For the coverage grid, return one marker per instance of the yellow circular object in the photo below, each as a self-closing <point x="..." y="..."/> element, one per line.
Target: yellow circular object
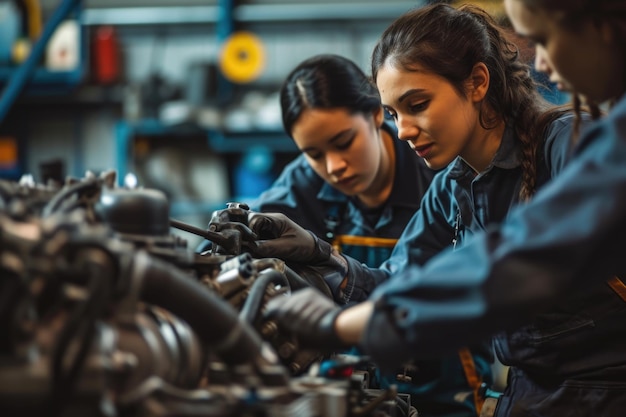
<point x="21" y="50"/>
<point x="242" y="57"/>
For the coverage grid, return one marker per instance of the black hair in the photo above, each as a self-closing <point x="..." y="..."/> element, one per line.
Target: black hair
<point x="326" y="81"/>
<point x="449" y="42"/>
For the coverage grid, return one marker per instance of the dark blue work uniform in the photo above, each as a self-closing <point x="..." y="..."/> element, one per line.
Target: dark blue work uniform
<point x="460" y="203"/>
<point x="559" y="256"/>
<point x="438" y="387"/>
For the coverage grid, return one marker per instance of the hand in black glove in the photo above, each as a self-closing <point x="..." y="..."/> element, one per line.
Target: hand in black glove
<point x="280" y="237"/>
<point x="235" y="218"/>
<point x="310" y="315"/>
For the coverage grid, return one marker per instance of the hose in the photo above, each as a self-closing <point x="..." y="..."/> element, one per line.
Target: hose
<point x="80" y="328"/>
<point x="58" y="199"/>
<point x="215" y="321"/>
<point x="254" y="301"/>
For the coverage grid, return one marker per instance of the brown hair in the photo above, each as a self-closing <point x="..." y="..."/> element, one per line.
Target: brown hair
<point x="573" y="12"/>
<point x="449" y="42"/>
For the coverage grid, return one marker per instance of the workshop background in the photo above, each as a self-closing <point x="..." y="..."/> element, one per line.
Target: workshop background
<point x="179" y="95"/>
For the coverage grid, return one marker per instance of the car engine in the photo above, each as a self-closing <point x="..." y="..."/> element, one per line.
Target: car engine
<point x="105" y="312"/>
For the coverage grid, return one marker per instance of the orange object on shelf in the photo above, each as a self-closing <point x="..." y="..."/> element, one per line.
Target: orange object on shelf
<point x="8" y="152"/>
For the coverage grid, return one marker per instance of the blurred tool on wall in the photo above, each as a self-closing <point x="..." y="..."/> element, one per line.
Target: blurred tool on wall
<point x="201" y="86"/>
<point x="161" y="96"/>
<point x="201" y="93"/>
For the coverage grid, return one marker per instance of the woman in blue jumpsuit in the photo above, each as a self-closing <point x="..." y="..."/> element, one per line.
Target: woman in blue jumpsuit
<point x="559" y="255"/>
<point x="333" y="113"/>
<point x="364" y="233"/>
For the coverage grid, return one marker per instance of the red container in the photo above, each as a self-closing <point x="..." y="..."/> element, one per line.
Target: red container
<point x="106" y="56"/>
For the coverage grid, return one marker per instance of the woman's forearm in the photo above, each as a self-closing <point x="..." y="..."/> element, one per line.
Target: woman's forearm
<point x="351" y="323"/>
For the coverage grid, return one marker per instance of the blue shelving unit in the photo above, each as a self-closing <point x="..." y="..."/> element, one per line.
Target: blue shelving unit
<point x="43" y="81"/>
<point x="219" y="141"/>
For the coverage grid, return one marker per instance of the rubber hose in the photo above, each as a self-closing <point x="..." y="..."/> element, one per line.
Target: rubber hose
<point x="254" y="301"/>
<point x="58" y="199"/>
<point x="215" y="321"/>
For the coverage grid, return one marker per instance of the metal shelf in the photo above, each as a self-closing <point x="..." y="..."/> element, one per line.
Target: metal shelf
<point x="151" y="15"/>
<point x="221" y="142"/>
<point x="42" y="76"/>
<point x="236" y="142"/>
<point x="247" y="13"/>
<point x="324" y="11"/>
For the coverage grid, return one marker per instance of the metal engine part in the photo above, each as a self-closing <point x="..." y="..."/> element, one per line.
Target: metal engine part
<point x="103" y="312"/>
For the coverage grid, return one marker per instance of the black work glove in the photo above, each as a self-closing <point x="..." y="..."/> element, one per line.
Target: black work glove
<point x="310" y="316"/>
<point x="280" y="237"/>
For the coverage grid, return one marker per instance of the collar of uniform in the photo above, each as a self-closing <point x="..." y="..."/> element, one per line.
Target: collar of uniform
<point x="403" y="192"/>
<point x="508" y="156"/>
